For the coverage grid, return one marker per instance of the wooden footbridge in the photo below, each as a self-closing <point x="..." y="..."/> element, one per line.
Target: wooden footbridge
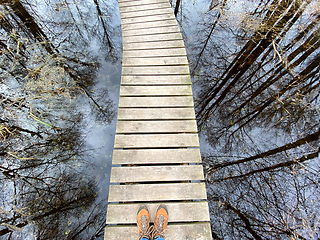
<point x="156" y="156"/>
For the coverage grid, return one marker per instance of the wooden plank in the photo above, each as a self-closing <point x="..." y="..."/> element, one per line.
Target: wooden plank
<point x="156" y="70"/>
<point x="155" y="113"/>
<point x="152" y="38"/>
<point x="190" y="231"/>
<point x="156" y="174"/>
<point x="184" y="126"/>
<point x="169" y="52"/>
<point x="147" y="19"/>
<point x="155" y="80"/>
<point x="155" y="61"/>
<point x="156" y="156"/>
<point x="157" y="192"/>
<point x="178" y="212"/>
<point x="151" y="30"/>
<point x="153" y="45"/>
<point x="175" y="101"/>
<point x="181" y="90"/>
<point x="156" y="140"/>
<point x="139" y="2"/>
<point x="144" y="7"/>
<point x="160" y="23"/>
<point x="146" y="13"/>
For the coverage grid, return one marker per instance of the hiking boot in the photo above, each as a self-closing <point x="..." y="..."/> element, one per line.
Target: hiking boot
<point x="161" y="222"/>
<point x="143" y="222"/>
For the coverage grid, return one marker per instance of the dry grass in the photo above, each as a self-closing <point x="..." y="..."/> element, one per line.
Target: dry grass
<point x="48" y="79"/>
<point x="5" y="132"/>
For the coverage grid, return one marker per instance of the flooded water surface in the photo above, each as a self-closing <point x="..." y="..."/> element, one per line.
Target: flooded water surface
<point x="255" y="69"/>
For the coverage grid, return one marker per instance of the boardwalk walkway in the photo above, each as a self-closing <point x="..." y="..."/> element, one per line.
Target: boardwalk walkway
<point x="156" y="156"/>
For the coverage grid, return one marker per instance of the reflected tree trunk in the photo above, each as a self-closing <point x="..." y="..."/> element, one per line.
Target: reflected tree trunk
<point x="176" y="9"/>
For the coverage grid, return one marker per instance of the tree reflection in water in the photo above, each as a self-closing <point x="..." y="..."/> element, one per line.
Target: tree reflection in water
<point x="255" y="66"/>
<point x="50" y="57"/>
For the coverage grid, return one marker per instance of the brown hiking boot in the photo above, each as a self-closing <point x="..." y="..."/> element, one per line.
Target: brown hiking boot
<point x="161" y="222"/>
<point x="143" y="222"/>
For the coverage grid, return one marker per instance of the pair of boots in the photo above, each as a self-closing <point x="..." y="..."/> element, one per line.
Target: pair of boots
<point x="154" y="232"/>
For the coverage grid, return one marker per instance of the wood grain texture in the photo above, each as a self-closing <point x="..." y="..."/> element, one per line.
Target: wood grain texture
<point x="190" y="231"/>
<point x="155" y="113"/>
<point x="156" y="174"/>
<point x="152" y="38"/>
<point x="175" y="101"/>
<point x="139" y="2"/>
<point x="151" y="12"/>
<point x="151" y="31"/>
<point x="147" y="25"/>
<point x="153" y="45"/>
<point x="178" y="212"/>
<point x="155" y="61"/>
<point x="156" y="133"/>
<point x="156" y="140"/>
<point x="143" y="19"/>
<point x="182" y="90"/>
<point x="157" y="192"/>
<point x="155" y="80"/>
<point x="144" y="7"/>
<point x="169" y="52"/>
<point x="156" y="156"/>
<point x="183" y="126"/>
<point x="156" y="70"/>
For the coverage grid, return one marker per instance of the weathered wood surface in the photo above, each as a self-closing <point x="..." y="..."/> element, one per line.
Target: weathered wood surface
<point x="182" y="90"/>
<point x="143" y="7"/>
<point x="132" y="102"/>
<point x="156" y="113"/>
<point x="190" y="231"/>
<point x="138" y="2"/>
<point x="185" y="126"/>
<point x="150" y="12"/>
<point x="135" y="20"/>
<point x="169" y="52"/>
<point x="157" y="61"/>
<point x="156" y="140"/>
<point x="152" y="38"/>
<point x="156" y="174"/>
<point x="154" y="45"/>
<point x="147" y="25"/>
<point x="179" y="212"/>
<point x="156" y="156"/>
<point x="153" y="30"/>
<point x="155" y="80"/>
<point x="157" y="70"/>
<point x="157" y="192"/>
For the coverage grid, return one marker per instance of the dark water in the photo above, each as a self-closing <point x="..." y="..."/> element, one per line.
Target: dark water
<point x="60" y="71"/>
<point x="255" y="69"/>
